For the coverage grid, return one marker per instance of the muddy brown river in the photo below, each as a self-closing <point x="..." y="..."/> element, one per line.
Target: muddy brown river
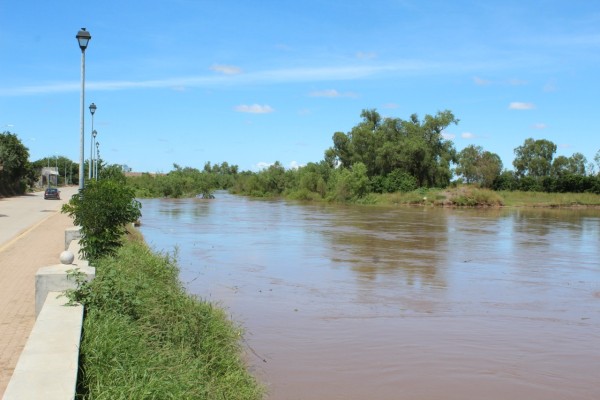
<point x="342" y="302"/>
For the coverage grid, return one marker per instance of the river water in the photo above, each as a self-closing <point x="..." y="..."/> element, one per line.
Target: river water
<point x="351" y="302"/>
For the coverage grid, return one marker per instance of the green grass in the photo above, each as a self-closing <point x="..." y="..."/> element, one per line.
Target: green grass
<point x="472" y="196"/>
<point x="145" y="338"/>
<point x="541" y="199"/>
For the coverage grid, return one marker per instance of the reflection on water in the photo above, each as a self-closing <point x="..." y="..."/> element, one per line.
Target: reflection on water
<point x="398" y="303"/>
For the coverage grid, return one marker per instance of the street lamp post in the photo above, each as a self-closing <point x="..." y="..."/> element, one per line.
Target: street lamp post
<point x="83" y="37"/>
<point x="92" y="111"/>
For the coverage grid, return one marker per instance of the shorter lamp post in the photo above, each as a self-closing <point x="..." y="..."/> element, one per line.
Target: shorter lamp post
<point x="93" y="160"/>
<point x="97" y="158"/>
<point x="92" y="111"/>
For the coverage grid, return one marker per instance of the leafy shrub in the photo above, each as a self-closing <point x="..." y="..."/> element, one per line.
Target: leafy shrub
<point x="399" y="181"/>
<point x="102" y="209"/>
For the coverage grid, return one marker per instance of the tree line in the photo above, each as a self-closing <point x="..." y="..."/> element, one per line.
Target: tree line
<point x="386" y="155"/>
<point x="18" y="173"/>
<point x="378" y="155"/>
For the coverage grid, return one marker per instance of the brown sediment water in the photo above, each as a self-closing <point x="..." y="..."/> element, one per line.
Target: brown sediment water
<point x="344" y="302"/>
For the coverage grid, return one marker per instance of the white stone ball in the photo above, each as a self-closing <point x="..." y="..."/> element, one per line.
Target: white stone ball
<point x="66" y="257"/>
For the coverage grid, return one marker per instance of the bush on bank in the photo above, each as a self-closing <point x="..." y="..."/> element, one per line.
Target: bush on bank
<point x="102" y="209"/>
<point x="145" y="338"/>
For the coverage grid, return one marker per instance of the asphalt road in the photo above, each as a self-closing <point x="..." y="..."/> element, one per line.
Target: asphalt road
<point x="20" y="214"/>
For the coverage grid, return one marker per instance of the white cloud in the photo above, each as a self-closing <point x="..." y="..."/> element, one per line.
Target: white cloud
<point x="467" y="135"/>
<point x="276" y="76"/>
<point x="517" y="82"/>
<point x="521" y="106"/>
<point x="539" y="126"/>
<point x="295" y="165"/>
<point x="254" y="109"/>
<point x="325" y="93"/>
<point x="366" y="55"/>
<point x="549" y="87"/>
<point x="481" y="82"/>
<point x="331" y="93"/>
<point x="283" y="47"/>
<point x="512" y="82"/>
<point x="391" y="105"/>
<point x="262" y="165"/>
<point x="448" y="136"/>
<point x="226" y="69"/>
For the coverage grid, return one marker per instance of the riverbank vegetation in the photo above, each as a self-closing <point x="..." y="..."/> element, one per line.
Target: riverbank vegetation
<point x="395" y="161"/>
<point x="144" y="337"/>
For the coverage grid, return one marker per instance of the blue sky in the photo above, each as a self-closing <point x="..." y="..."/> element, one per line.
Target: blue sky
<point x="250" y="83"/>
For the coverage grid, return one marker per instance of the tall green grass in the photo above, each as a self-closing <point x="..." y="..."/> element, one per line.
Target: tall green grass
<point x="543" y="199"/>
<point x="145" y="338"/>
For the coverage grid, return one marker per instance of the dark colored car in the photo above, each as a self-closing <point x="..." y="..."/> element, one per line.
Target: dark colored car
<point x="52" y="193"/>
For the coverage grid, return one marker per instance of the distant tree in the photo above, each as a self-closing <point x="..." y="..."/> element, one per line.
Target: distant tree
<point x="507" y="180"/>
<point x="478" y="166"/>
<point x="577" y="163"/>
<point x="467" y="163"/>
<point x="16" y="173"/>
<point x="560" y="166"/>
<point x="574" y="165"/>
<point x="113" y="172"/>
<point x="534" y="158"/>
<point x="415" y="146"/>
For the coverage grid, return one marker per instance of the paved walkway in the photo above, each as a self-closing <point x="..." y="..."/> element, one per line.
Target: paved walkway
<point x="33" y="247"/>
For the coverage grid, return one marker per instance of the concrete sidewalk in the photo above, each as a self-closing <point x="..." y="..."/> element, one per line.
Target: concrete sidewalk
<point x="19" y="261"/>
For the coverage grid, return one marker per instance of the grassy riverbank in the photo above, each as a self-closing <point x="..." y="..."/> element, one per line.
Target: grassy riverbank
<point x="470" y="196"/>
<point x="145" y="338"/>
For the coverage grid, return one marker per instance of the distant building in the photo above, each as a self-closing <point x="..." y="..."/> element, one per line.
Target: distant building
<point x="125" y="168"/>
<point x="48" y="177"/>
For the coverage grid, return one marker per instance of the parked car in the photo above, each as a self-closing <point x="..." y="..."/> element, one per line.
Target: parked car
<point x="52" y="193"/>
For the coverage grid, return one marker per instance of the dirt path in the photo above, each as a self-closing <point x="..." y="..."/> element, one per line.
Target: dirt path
<point x="20" y="259"/>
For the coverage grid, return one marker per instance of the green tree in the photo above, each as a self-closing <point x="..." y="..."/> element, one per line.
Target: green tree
<point x="384" y="145"/>
<point x="102" y="209"/>
<point x="560" y="166"/>
<point x="113" y="172"/>
<point x="490" y="168"/>
<point x="478" y="166"/>
<point x="467" y="163"/>
<point x="534" y="158"/>
<point x="577" y="163"/>
<point x="430" y="154"/>
<point x="16" y="173"/>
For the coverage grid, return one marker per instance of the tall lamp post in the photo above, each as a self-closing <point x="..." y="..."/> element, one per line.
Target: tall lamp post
<point x="92" y="111"/>
<point x="83" y="37"/>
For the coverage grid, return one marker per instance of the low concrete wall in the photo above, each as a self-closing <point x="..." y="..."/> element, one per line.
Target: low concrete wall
<point x="47" y="368"/>
<point x="71" y="236"/>
<point x="54" y="278"/>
